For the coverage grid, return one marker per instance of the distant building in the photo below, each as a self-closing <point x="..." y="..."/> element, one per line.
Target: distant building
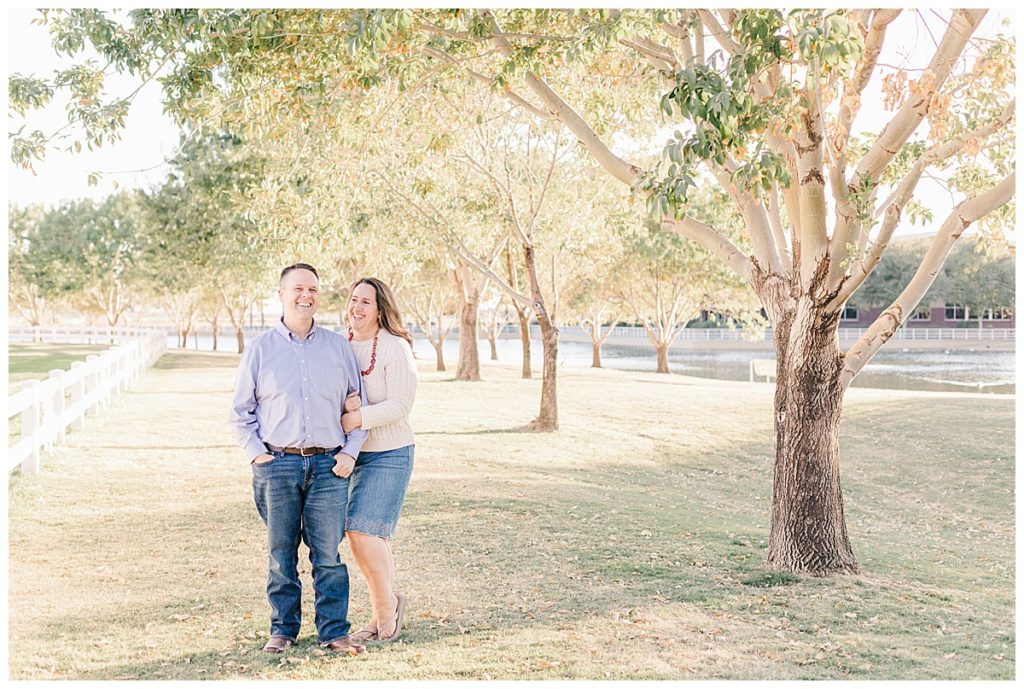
<point x="935" y="314"/>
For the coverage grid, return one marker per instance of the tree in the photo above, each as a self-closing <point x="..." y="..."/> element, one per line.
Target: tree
<point x="767" y="116"/>
<point x="496" y="316"/>
<point x="31" y="272"/>
<point x="766" y="102"/>
<point x="980" y="280"/>
<point x="430" y="298"/>
<point x="591" y="297"/>
<point x="665" y="282"/>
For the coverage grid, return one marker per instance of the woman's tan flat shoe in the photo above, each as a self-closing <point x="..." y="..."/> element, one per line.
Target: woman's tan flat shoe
<point x="367" y="633"/>
<point x="397" y="620"/>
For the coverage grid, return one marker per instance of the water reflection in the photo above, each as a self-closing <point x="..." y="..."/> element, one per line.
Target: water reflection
<point x="936" y="370"/>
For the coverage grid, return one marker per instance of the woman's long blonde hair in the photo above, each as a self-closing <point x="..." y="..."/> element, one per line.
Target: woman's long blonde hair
<point x="387" y="307"/>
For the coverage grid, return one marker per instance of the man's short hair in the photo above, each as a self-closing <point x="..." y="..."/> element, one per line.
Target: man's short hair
<point x="298" y="266"/>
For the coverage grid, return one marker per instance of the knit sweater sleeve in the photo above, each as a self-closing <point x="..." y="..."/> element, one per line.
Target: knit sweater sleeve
<point x="400" y="386"/>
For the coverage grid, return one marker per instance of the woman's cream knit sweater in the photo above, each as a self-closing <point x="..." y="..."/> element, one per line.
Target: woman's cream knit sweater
<point x="390" y="389"/>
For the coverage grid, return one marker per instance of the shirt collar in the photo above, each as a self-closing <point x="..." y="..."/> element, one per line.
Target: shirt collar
<point x="289" y="335"/>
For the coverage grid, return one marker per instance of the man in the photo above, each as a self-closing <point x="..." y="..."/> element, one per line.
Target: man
<point x="289" y="395"/>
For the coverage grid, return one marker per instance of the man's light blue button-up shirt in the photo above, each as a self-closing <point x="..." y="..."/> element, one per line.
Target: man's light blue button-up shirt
<point x="290" y="392"/>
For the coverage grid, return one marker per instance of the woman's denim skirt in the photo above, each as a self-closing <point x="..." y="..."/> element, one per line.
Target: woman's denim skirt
<point x="376" y="491"/>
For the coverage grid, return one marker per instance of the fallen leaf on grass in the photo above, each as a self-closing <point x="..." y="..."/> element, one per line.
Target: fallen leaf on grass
<point x="431" y="615"/>
<point x="546" y="665"/>
<point x="318" y="652"/>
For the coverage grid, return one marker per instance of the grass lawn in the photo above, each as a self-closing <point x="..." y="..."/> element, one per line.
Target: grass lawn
<point x="628" y="545"/>
<point x="28" y="361"/>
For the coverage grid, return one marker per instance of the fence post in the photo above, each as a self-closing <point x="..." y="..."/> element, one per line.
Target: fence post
<point x="91" y="387"/>
<point x="29" y="429"/>
<point x="77" y="394"/>
<point x="58" y="405"/>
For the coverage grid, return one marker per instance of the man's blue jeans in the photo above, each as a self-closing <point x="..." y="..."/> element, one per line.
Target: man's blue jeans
<point x="300" y="496"/>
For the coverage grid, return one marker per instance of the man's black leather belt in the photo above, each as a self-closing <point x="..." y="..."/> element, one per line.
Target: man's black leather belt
<point x="304" y="451"/>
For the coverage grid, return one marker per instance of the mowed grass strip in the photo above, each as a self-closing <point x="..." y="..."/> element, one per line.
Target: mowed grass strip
<point x="628" y="545"/>
<point x="35" y="361"/>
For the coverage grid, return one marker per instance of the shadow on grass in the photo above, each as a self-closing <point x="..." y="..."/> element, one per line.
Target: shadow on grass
<point x="483" y="431"/>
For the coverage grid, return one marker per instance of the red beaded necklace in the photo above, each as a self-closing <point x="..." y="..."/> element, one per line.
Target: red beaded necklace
<point x="373" y="353"/>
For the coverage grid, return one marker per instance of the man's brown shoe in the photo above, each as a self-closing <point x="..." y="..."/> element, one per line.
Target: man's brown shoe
<point x="346" y="646"/>
<point x="277" y="644"/>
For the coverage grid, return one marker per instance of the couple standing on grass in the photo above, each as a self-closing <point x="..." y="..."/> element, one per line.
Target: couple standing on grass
<point x="324" y="421"/>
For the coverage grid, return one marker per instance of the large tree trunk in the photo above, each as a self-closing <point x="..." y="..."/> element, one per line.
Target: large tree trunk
<point x="469" y="355"/>
<point x="662" y="350"/>
<point x="808" y="527"/>
<point x="596" y="361"/>
<point x="438" y="347"/>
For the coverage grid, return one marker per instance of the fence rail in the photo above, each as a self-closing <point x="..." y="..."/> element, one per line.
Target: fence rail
<point x="845" y="334"/>
<point x="49" y="407"/>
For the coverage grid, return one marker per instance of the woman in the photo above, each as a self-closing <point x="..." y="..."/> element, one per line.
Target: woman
<point x="383" y="347"/>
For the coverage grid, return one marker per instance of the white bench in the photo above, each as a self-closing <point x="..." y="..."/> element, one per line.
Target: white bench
<point x="762" y="367"/>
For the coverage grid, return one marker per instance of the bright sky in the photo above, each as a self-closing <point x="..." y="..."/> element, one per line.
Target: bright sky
<point x="150" y="137"/>
<point x="148" y="140"/>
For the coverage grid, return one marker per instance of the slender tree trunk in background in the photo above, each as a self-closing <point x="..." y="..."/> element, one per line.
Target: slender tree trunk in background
<point x="240" y="338"/>
<point x="547" y="420"/>
<point x="469" y="355"/>
<point x="662" y="350"/>
<point x="524" y="338"/>
<point x="183" y="337"/>
<point x="438" y="346"/>
<point x="492" y="339"/>
<point x="596" y="361"/>
<point x="524" y="322"/>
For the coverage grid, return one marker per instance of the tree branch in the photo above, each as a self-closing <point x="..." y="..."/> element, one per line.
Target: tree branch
<point x="619" y="168"/>
<point x="892" y="207"/>
<point x="959" y="219"/>
<point x="714" y="241"/>
<point x="899" y="129"/>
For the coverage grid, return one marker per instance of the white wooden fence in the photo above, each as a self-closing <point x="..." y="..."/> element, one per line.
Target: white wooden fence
<point x="48" y="408"/>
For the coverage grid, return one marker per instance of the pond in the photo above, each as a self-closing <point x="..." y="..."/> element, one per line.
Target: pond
<point x="952" y="370"/>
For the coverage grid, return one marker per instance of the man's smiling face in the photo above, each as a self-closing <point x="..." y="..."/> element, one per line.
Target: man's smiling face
<point x="298" y="292"/>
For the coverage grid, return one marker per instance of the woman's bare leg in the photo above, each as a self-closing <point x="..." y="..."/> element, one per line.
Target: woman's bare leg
<point x="373" y="555"/>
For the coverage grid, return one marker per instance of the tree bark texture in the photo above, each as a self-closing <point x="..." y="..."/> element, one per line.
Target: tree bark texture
<point x="808" y="526"/>
<point x="493" y="341"/>
<point x="596" y="360"/>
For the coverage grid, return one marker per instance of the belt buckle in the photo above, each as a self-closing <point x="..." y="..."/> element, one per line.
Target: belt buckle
<point x="304" y="453"/>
